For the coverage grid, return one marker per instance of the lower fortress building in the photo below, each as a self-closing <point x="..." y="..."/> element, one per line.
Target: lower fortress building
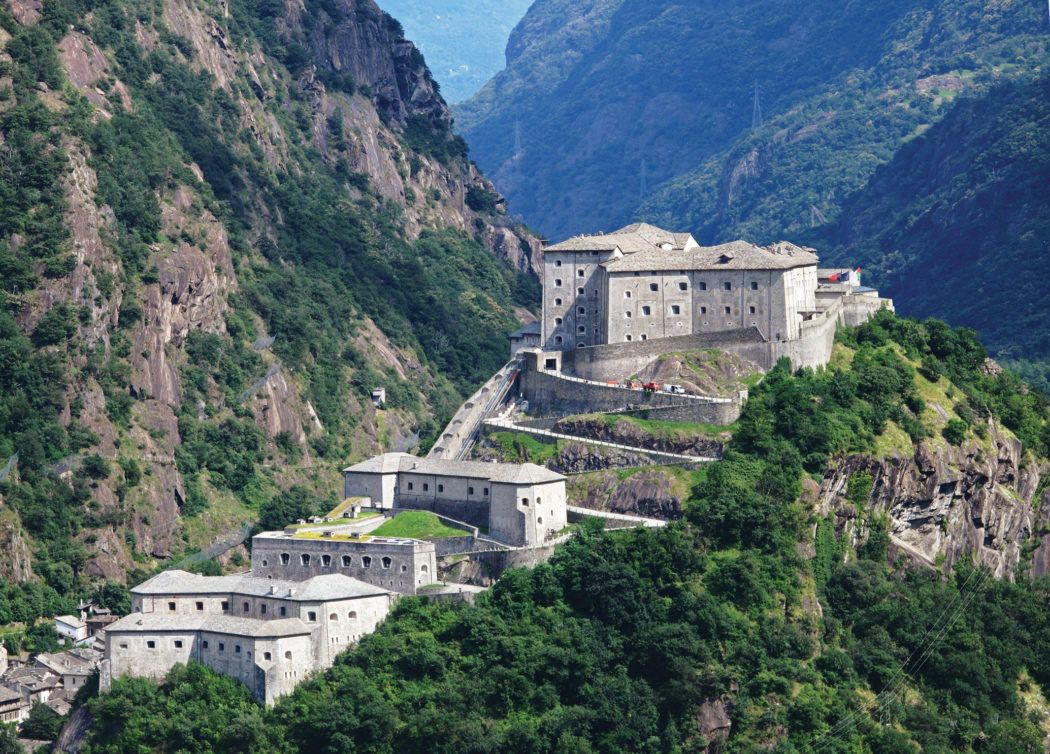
<point x="269" y="634"/>
<point x="314" y="591"/>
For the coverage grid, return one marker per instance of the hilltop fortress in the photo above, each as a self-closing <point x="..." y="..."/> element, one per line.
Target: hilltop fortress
<point x="642" y="284"/>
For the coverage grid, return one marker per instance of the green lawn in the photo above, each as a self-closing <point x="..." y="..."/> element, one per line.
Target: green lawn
<point x="417" y="525"/>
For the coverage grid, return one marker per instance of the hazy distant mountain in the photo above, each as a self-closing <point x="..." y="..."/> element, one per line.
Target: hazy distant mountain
<point x="463" y="40"/>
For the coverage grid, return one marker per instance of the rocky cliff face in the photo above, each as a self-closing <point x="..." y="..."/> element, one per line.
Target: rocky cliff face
<point x="360" y="95"/>
<point x="946" y="504"/>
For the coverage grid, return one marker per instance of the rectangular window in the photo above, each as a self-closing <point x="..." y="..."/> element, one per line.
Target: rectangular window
<point x="426" y="487"/>
<point x="311" y="616"/>
<point x="178" y="644"/>
<point x="654" y="286"/>
<point x="683" y="286"/>
<point x="441" y="488"/>
<point x="204" y="644"/>
<point x="171" y="606"/>
<point x="646" y="311"/>
<point x="200" y="607"/>
<point x="557" y="282"/>
<point x="410" y="485"/>
<point x="703" y="310"/>
<point x="754" y="286"/>
<point x="703" y="286"/>
<point x="485" y="492"/>
<point x="225" y="605"/>
<point x="470" y="490"/>
<point x="151" y="644"/>
<point x="729" y="310"/>
<point x="752" y="309"/>
<point x="727" y="286"/>
<point x="579" y="291"/>
<point x="283" y="611"/>
<point x="247" y="607"/>
<point x="676" y="309"/>
<point x="222" y="646"/>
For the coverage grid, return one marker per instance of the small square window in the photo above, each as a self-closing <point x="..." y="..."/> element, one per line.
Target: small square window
<point x="266" y="656"/>
<point x="676" y="309"/>
<point x="582" y="329"/>
<point x="754" y="285"/>
<point x="752" y="309"/>
<point x="643" y="336"/>
<point x="200" y="607"/>
<point x="703" y="286"/>
<point x="225" y="605"/>
<point x="485" y="492"/>
<point x="654" y="286"/>
<point x="703" y="310"/>
<point x="579" y="273"/>
<point x="441" y="488"/>
<point x="557" y="339"/>
<point x="627" y="337"/>
<point x="557" y="302"/>
<point x="579" y="291"/>
<point x="426" y="487"/>
<point x="204" y="644"/>
<point x="626" y="294"/>
<point x="557" y="282"/>
<point x="171" y="606"/>
<point x="627" y="315"/>
<point x="151" y="644"/>
<point x="557" y="321"/>
<point x="683" y="286"/>
<point x="557" y="263"/>
<point x="178" y="644"/>
<point x="470" y="490"/>
<point x="729" y="310"/>
<point x="222" y="646"/>
<point x="236" y="649"/>
<point x="311" y="616"/>
<point x="646" y="311"/>
<point x="580" y="310"/>
<point x="727" y="286"/>
<point x="410" y="485"/>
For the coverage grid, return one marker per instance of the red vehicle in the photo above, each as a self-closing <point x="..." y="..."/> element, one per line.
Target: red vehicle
<point x="651" y="386"/>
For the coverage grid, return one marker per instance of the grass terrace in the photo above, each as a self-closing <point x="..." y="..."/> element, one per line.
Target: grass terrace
<point x="417" y="525"/>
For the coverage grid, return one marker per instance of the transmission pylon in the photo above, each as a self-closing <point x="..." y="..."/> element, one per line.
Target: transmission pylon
<point x="756" y="108"/>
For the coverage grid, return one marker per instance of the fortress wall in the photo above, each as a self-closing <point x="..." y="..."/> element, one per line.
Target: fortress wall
<point x="553" y="395"/>
<point x="699" y="413"/>
<point x="405" y="574"/>
<point x="856" y="310"/>
<point x="618" y="361"/>
<point x="459" y="545"/>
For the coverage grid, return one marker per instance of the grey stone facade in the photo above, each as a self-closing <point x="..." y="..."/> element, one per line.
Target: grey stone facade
<point x="519" y="504"/>
<point x="400" y="565"/>
<point x="641" y="283"/>
<point x="267" y="633"/>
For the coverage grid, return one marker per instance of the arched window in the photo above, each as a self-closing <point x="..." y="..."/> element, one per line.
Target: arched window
<point x="305" y="558"/>
<point x="287" y="655"/>
<point x="386" y="562"/>
<point x="346" y="561"/>
<point x="352" y="615"/>
<point x="326" y="560"/>
<point x="333" y="616"/>
<point x="424" y="568"/>
<point x="580" y="310"/>
<point x="538" y="501"/>
<point x="539" y="519"/>
<point x="285" y="557"/>
<point x="525" y="501"/>
<point x="366" y="561"/>
<point x="267" y="656"/>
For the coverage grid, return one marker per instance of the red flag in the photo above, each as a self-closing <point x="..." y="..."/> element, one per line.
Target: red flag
<point x="834" y="277"/>
<point x="858" y="270"/>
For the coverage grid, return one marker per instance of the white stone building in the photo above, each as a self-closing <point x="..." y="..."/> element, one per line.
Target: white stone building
<point x="267" y="633"/>
<point x="518" y="504"/>
<point x="642" y="283"/>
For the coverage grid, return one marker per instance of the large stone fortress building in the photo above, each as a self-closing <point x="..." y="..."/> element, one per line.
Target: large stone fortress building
<point x="642" y="283"/>
<point x="267" y="633"/>
<point x="518" y="504"/>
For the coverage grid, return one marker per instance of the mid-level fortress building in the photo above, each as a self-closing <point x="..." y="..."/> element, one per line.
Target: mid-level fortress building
<point x="641" y="283"/>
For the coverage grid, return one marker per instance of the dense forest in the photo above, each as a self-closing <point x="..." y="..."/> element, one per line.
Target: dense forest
<point x="205" y="269"/>
<point x="664" y="640"/>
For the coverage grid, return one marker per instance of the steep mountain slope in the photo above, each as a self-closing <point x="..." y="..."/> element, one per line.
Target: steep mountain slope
<point x="463" y="41"/>
<point x="957" y="224"/>
<point x="599" y="88"/>
<point x="221" y="226"/>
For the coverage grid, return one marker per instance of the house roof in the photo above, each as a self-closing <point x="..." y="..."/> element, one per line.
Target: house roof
<point x="324" y="588"/>
<point x="630" y="239"/>
<point x="509" y="473"/>
<point x="532" y="328"/>
<point x="735" y="255"/>
<point x="220" y="624"/>
<point x="69" y="663"/>
<point x="71" y="620"/>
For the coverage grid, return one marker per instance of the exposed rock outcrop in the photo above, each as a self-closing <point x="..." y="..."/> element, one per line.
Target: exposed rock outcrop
<point x="946" y="504"/>
<point x="652" y="493"/>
